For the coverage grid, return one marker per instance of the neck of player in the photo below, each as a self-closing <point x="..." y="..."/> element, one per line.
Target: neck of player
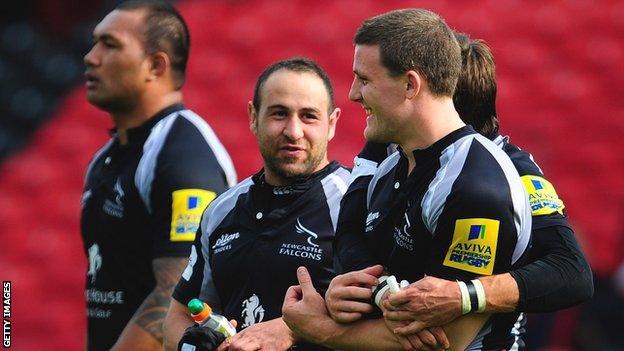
<point x="147" y="108"/>
<point x="435" y="119"/>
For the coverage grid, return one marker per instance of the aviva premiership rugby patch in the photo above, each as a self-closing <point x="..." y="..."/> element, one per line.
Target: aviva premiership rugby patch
<point x="473" y="248"/>
<point x="187" y="207"/>
<point x="542" y="196"/>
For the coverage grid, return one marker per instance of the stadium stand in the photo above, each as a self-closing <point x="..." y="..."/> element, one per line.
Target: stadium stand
<point x="560" y="89"/>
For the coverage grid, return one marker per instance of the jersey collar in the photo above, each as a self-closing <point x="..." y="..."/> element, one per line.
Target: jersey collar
<point x="299" y="185"/>
<point x="140" y="132"/>
<point x="435" y="149"/>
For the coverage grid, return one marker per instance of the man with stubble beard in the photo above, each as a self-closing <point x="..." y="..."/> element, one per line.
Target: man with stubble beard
<point x="253" y="237"/>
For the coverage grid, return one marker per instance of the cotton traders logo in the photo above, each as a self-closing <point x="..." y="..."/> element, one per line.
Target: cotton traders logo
<point x="311" y="251"/>
<point x="223" y="243"/>
<point x="115" y="208"/>
<point x="253" y="312"/>
<point x="473" y="248"/>
<point x="95" y="261"/>
<point x="371" y="217"/>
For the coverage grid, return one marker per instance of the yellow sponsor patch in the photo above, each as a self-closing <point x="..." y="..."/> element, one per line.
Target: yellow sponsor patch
<point x="473" y="248"/>
<point x="542" y="196"/>
<point x="187" y="206"/>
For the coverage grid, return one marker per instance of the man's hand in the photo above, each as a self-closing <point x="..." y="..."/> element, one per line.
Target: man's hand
<point x="348" y="296"/>
<point x="428" y="302"/>
<point x="433" y="338"/>
<point x="304" y="311"/>
<point x="200" y="339"/>
<point x="270" y="335"/>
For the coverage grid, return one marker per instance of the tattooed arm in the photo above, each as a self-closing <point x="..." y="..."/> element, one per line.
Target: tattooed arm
<point x="144" y="331"/>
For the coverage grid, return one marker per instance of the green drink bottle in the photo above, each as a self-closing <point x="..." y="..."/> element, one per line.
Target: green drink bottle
<point x="203" y="315"/>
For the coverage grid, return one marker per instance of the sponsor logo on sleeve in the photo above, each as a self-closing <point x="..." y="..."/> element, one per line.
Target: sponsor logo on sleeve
<point x="187" y="207"/>
<point x="473" y="247"/>
<point x="542" y="196"/>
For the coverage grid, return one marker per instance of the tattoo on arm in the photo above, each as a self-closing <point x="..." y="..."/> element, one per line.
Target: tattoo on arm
<point x="151" y="314"/>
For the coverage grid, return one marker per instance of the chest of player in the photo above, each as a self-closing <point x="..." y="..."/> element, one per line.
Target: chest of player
<point x="395" y="218"/>
<point x="113" y="214"/>
<point x="255" y="245"/>
<point x="250" y="240"/>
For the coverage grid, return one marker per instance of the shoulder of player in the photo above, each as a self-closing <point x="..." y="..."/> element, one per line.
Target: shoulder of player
<point x="523" y="161"/>
<point x="486" y="169"/>
<point x="185" y="131"/>
<point x="223" y="205"/>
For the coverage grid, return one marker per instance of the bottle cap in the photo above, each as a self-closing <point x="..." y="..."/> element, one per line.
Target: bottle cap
<point x="195" y="306"/>
<point x="199" y="310"/>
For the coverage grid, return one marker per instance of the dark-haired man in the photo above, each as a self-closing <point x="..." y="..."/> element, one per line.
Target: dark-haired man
<point x="146" y="188"/>
<point x="558" y="276"/>
<point x="253" y="237"/>
<point x="449" y="202"/>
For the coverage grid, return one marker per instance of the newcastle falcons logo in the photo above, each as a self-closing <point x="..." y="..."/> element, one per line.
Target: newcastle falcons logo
<point x="300" y="229"/>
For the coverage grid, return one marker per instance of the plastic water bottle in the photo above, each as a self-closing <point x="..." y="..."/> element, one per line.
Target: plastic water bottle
<point x="203" y="315"/>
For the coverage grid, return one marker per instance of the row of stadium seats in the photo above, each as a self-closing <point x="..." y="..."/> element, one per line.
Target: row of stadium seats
<point x="560" y="91"/>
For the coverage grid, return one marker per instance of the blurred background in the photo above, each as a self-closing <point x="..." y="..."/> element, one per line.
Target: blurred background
<point x="560" y="81"/>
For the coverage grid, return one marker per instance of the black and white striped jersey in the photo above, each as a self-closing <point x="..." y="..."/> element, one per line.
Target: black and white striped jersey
<point x="141" y="201"/>
<point x="461" y="213"/>
<point x="546" y="207"/>
<point x="254" y="236"/>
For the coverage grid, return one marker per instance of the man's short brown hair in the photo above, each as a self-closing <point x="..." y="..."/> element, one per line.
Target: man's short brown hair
<point x="415" y="39"/>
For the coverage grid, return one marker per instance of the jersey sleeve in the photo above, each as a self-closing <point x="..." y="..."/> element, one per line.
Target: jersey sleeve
<point x="558" y="276"/>
<point x="547" y="208"/>
<point x="187" y="179"/>
<point x="475" y="233"/>
<point x="189" y="285"/>
<point x="352" y="249"/>
<point x="196" y="280"/>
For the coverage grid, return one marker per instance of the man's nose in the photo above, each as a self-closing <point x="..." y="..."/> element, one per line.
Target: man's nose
<point x="354" y="92"/>
<point x="293" y="129"/>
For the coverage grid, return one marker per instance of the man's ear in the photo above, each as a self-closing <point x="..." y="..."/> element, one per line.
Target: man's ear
<point x="253" y="118"/>
<point x="159" y="65"/>
<point x="333" y="120"/>
<point x="414" y="84"/>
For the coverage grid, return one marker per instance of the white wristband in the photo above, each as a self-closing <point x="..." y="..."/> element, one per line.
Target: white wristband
<point x="480" y="294"/>
<point x="393" y="284"/>
<point x="465" y="297"/>
<point x="380" y="294"/>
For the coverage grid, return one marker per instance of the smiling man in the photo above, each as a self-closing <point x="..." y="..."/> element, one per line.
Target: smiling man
<point x="146" y="189"/>
<point x="253" y="237"/>
<point x="449" y="203"/>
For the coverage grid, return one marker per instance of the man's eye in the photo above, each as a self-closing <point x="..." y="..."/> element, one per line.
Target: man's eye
<point x="280" y="113"/>
<point x="310" y="116"/>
